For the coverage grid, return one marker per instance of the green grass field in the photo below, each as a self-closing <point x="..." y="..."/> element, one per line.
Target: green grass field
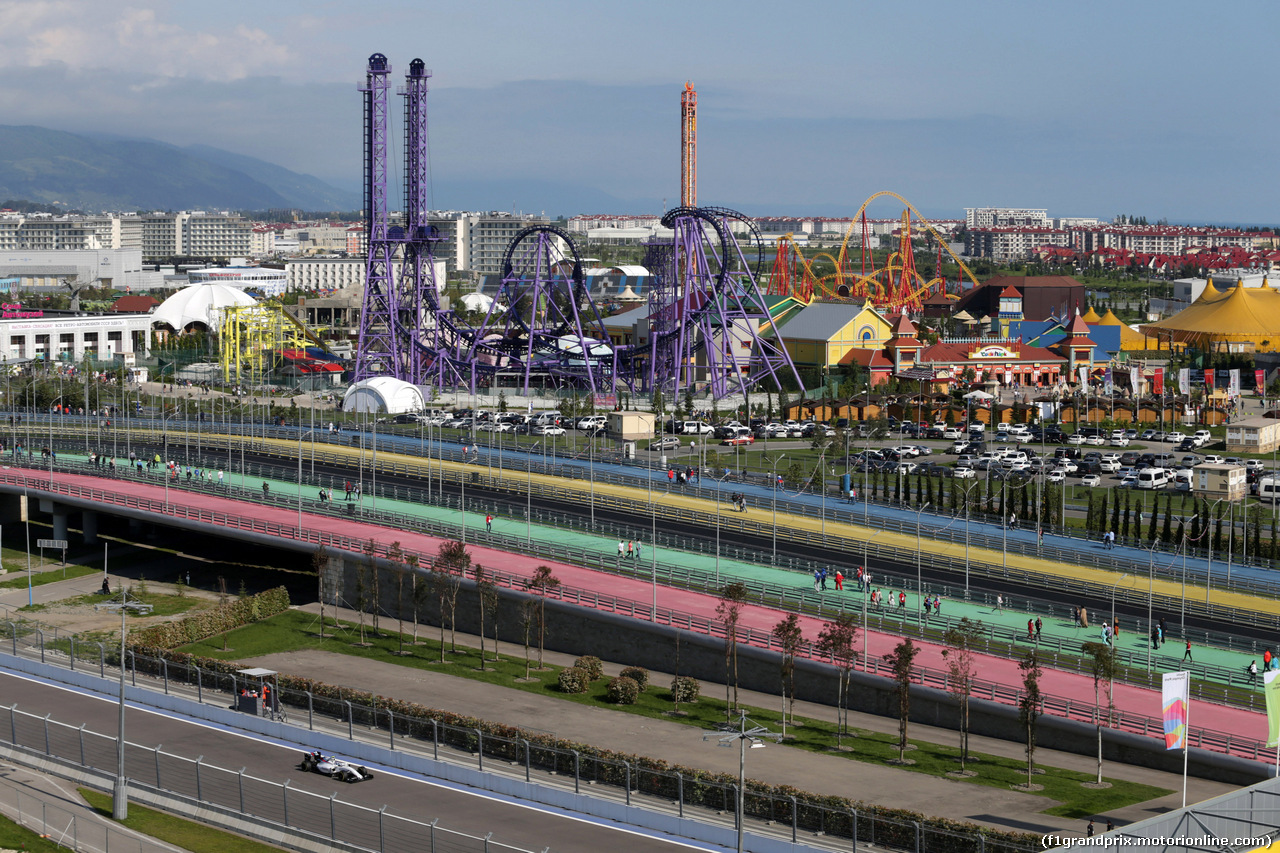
<point x="187" y="834"/>
<point x="296" y="630"/>
<point x="49" y="576"/>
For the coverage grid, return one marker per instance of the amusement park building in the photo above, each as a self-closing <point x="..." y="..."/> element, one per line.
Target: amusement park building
<point x="117" y="268"/>
<point x="66" y="336"/>
<point x="265" y="280"/>
<point x="1042" y="297"/>
<point x="822" y="334"/>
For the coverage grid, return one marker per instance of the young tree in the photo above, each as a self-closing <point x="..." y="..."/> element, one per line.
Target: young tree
<point x="453" y="560"/>
<point x="542" y="582"/>
<point x="1029" y="706"/>
<point x="395" y="556"/>
<point x="363" y="583"/>
<point x="900" y="660"/>
<point x="837" y="639"/>
<point x="733" y="597"/>
<point x="528" y="618"/>
<point x="790" y="638"/>
<point x="962" y="641"/>
<point x="418" y="592"/>
<point x="487" y="596"/>
<point x="1103" y="666"/>
<point x="320" y="562"/>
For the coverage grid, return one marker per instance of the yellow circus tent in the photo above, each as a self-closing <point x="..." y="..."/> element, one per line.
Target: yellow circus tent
<point x="1130" y="339"/>
<point x="1219" y="318"/>
<point x="1091" y="317"/>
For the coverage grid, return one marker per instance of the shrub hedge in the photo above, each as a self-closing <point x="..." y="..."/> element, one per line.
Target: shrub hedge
<point x="591" y="665"/>
<point x="638" y="674"/>
<point x="623" y="691"/>
<point x="217" y="620"/>
<point x="685" y="689"/>
<point x="574" y="679"/>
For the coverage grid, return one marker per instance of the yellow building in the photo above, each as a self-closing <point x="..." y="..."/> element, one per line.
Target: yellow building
<point x="823" y="333"/>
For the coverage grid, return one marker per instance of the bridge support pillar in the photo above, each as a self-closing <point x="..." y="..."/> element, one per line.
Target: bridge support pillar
<point x="89" y="525"/>
<point x="59" y="522"/>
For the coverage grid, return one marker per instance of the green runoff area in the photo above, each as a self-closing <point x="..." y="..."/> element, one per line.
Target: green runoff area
<point x="297" y="630"/>
<point x="180" y="832"/>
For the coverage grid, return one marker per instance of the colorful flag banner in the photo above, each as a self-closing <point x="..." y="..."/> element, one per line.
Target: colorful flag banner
<point x="1174" y="696"/>
<point x="1208" y="379"/>
<point x="1260" y="380"/>
<point x="1271" y="690"/>
<point x="1157" y="381"/>
<point x="1084" y="375"/>
<point x="1233" y="382"/>
<point x="1135" y="379"/>
<point x="1184" y="380"/>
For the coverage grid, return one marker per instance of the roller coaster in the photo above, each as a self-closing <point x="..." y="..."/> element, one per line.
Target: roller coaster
<point x="709" y="328"/>
<point x="896" y="286"/>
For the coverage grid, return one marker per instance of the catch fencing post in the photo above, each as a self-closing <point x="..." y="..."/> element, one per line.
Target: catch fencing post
<point x="13" y="632"/>
<point x="199" y="686"/>
<point x="46" y="734"/>
<point x="199" y="758"/>
<point x="284" y="799"/>
<point x="40" y="634"/>
<point x="526" y="758"/>
<point x="102" y="661"/>
<point x="627" y="765"/>
<point x="311" y="725"/>
<point x="240" y="776"/>
<point x="82" y="725"/>
<point x="575" y="770"/>
<point x="680" y="792"/>
<point x="794" y="818"/>
<point x="435" y="741"/>
<point x="164" y="666"/>
<point x="351" y="734"/>
<point x="391" y="727"/>
<point x="72" y="657"/>
<point x="480" y="748"/>
<point x="433" y="834"/>
<point x="853" y="828"/>
<point x="157" y="754"/>
<point x="917" y="826"/>
<point x="133" y="664"/>
<point x="333" y="820"/>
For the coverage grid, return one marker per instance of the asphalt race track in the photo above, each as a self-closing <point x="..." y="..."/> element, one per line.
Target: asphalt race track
<point x="526" y="826"/>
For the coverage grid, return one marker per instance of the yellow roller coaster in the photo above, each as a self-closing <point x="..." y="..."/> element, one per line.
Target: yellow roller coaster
<point x="897" y="285"/>
<point x="250" y="335"/>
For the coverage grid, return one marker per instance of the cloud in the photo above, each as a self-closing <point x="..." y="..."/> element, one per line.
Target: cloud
<point x="87" y="38"/>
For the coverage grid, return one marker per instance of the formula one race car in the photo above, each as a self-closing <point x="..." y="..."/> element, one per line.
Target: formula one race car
<point x="327" y="765"/>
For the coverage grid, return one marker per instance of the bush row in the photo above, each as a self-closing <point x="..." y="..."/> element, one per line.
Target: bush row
<point x="208" y="623"/>
<point x="698" y="786"/>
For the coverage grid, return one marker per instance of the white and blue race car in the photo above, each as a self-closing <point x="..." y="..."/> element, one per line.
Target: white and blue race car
<point x="339" y="769"/>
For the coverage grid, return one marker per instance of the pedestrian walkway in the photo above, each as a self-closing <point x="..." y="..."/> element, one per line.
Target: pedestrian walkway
<point x="633" y="595"/>
<point x="1006" y="615"/>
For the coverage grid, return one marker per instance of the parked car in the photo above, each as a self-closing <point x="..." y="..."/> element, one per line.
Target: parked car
<point x="1090" y="480"/>
<point x="667" y="442"/>
<point x="963" y="473"/>
<point x="1075" y="439"/>
<point x="739" y="440"/>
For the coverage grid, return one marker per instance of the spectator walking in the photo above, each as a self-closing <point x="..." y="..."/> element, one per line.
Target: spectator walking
<point x="488" y="523"/>
<point x="839" y="580"/>
<point x="1252" y="671"/>
<point x="1186" y="656"/>
<point x="1039" y="628"/>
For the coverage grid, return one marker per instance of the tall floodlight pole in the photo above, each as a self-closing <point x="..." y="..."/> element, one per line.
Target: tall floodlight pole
<point x="120" y="795"/>
<point x="773" y="481"/>
<point x="919" y="566"/>
<point x="754" y="737"/>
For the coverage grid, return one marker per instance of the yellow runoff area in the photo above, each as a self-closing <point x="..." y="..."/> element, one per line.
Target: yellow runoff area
<point x="671" y="503"/>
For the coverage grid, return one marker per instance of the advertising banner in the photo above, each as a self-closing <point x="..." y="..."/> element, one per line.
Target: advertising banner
<point x="1271" y="689"/>
<point x="1184" y="380"/>
<point x="1084" y="376"/>
<point x="1233" y="382"/>
<point x="1157" y="381"/>
<point x="1174" y="695"/>
<point x="1208" y="380"/>
<point x="1260" y="380"/>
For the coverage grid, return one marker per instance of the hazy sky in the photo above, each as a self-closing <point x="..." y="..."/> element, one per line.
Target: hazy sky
<point x="1162" y="109"/>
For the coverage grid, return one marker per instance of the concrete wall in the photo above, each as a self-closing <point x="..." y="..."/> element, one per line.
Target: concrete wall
<point x="632" y="642"/>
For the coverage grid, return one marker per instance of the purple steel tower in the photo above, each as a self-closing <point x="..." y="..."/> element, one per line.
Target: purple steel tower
<point x="378" y="351"/>
<point x="706" y="312"/>
<point x="417" y="273"/>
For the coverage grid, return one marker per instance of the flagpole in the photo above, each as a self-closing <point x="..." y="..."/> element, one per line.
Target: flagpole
<point x="1186" y="746"/>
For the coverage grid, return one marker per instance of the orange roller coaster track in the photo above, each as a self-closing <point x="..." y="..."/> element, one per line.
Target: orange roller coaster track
<point x="896" y="286"/>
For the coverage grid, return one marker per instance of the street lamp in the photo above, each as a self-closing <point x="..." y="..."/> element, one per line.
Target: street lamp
<point x="1113" y="601"/>
<point x="754" y="735"/>
<point x="773" y="481"/>
<point x="301" y="435"/>
<point x="919" y="572"/>
<point x="120" y="797"/>
<point x="1182" y="626"/>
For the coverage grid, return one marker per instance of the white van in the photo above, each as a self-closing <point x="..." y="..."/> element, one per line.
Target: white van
<point x="1182" y="481"/>
<point x="1269" y="489"/>
<point x="1153" y="478"/>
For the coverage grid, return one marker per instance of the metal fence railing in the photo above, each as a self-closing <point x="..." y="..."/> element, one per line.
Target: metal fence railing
<point x="205" y="784"/>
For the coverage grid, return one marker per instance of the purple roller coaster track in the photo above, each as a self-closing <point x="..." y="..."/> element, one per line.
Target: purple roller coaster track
<point x="710" y="330"/>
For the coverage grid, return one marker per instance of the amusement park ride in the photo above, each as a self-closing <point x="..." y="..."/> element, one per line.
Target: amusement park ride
<point x="710" y="329"/>
<point x="895" y="287"/>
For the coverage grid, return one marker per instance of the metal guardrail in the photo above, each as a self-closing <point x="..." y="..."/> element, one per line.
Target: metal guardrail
<point x="203" y="784"/>
<point x="630" y="782"/>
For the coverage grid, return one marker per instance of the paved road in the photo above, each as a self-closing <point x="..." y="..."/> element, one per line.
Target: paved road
<point x="524" y="826"/>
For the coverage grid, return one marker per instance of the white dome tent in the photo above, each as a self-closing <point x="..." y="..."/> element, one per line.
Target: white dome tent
<point x="199" y="303"/>
<point x="384" y="394"/>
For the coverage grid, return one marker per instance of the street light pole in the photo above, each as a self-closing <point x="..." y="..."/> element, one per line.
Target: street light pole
<point x="743" y="736"/>
<point x="120" y="794"/>
<point x="773" y="481"/>
<point x="919" y="570"/>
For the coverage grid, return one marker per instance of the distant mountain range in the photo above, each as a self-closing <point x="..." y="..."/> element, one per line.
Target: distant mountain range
<point x="111" y="174"/>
